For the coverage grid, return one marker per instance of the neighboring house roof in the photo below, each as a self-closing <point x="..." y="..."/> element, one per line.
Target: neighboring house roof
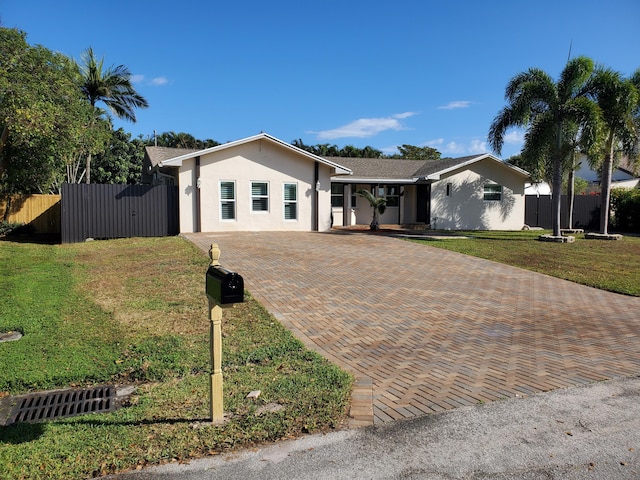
<point x="390" y="170"/>
<point x="160" y="154"/>
<point x="176" y="160"/>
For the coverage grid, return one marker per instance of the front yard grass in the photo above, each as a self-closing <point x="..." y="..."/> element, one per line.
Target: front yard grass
<point x="607" y="265"/>
<point x="133" y="311"/>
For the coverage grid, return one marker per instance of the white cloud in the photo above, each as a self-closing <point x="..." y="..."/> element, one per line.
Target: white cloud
<point x="515" y="136"/>
<point x="159" y="81"/>
<point x="365" y="127"/>
<point x="456" y="104"/>
<point x="473" y="147"/>
<point x="433" y="143"/>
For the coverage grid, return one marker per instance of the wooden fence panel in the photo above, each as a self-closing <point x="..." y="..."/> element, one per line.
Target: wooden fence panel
<point x="118" y="211"/>
<point x="538" y="212"/>
<point x="42" y="212"/>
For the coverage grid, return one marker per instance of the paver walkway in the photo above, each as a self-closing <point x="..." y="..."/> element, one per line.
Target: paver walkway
<point x="425" y="330"/>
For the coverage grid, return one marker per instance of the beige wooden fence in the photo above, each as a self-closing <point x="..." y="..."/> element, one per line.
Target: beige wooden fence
<point x="40" y="211"/>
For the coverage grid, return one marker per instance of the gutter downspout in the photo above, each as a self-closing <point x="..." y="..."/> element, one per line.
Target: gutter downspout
<point x="316" y="182"/>
<point x="196" y="182"/>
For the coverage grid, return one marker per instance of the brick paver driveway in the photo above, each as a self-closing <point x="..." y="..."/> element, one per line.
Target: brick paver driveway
<point x="425" y="330"/>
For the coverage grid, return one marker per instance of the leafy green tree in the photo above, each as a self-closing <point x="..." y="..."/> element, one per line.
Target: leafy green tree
<point x="619" y="102"/>
<point x="379" y="205"/>
<point x="43" y="117"/>
<point x="552" y="112"/>
<point x="412" y="152"/>
<point x="111" y="86"/>
<point x="121" y="161"/>
<point x="181" y="140"/>
<point x="327" y="150"/>
<point x="370" y="152"/>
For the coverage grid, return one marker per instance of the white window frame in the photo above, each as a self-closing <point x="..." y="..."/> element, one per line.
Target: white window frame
<point x="286" y="202"/>
<point x="228" y="200"/>
<point x="259" y="197"/>
<point x="490" y="190"/>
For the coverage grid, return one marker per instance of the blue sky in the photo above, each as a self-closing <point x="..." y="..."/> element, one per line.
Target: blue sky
<point x="378" y="73"/>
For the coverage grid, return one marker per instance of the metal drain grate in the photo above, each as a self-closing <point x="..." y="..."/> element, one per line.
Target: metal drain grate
<point x="40" y="407"/>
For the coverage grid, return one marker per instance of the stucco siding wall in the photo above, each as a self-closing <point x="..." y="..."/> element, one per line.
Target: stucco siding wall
<point x="258" y="161"/>
<point x="465" y="208"/>
<point x="187" y="196"/>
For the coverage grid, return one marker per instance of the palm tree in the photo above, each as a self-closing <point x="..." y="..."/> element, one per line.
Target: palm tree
<point x="379" y="205"/>
<point x="551" y="112"/>
<point x="619" y="102"/>
<point x="112" y="87"/>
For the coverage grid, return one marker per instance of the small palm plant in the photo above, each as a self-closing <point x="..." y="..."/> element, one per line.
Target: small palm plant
<point x="379" y="205"/>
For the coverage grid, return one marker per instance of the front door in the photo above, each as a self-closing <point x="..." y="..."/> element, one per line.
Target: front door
<point x="423" y="210"/>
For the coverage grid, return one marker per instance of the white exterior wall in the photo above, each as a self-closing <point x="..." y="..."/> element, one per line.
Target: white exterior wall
<point x="187" y="196"/>
<point x="259" y="161"/>
<point x="465" y="208"/>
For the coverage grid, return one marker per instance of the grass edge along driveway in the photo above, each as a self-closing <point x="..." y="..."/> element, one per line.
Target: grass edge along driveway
<point x="607" y="265"/>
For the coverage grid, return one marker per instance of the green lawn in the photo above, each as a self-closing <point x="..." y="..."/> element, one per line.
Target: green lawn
<point x="608" y="265"/>
<point x="134" y="312"/>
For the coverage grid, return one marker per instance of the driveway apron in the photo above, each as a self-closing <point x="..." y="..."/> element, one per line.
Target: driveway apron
<point x="426" y="330"/>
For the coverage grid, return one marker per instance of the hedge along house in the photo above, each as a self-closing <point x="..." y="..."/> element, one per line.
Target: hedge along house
<point x="259" y="183"/>
<point x="478" y="192"/>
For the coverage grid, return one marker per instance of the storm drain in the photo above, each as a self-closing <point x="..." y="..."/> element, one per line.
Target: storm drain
<point x="40" y="407"/>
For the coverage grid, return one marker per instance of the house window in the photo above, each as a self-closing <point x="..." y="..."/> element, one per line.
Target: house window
<point x="228" y="200"/>
<point x="337" y="195"/>
<point x="448" y="189"/>
<point x="493" y="192"/>
<point x="392" y="194"/>
<point x="259" y="197"/>
<point x="290" y="201"/>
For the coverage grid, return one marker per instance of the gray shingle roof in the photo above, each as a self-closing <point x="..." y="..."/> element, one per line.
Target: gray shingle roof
<point x="398" y="169"/>
<point x="160" y="154"/>
<point x="432" y="166"/>
<point x="377" y="168"/>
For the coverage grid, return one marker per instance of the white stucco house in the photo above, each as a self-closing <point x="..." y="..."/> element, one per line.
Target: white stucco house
<point x="261" y="183"/>
<point x="257" y="183"/>
<point x="478" y="192"/>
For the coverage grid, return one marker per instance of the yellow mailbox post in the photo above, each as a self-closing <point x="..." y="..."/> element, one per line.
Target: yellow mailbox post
<point x="224" y="288"/>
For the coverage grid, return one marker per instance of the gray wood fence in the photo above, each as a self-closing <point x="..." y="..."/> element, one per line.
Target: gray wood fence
<point x="586" y="212"/>
<point x="118" y="211"/>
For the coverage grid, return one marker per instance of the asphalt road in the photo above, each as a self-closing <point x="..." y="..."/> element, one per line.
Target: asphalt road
<point x="588" y="432"/>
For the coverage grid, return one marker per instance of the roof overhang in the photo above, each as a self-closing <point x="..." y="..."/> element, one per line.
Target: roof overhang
<point x="386" y="181"/>
<point x="440" y="173"/>
<point x="177" y="161"/>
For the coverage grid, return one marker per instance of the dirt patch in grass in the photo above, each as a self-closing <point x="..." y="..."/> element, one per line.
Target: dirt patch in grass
<point x="147" y="288"/>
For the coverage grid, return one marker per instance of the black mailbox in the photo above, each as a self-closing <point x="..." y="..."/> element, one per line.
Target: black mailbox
<point x="224" y="286"/>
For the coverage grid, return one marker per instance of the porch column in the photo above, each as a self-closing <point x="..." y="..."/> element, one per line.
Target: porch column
<point x="346" y="204"/>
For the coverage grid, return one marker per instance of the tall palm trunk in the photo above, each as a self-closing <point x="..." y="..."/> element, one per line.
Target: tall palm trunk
<point x="557" y="196"/>
<point x="571" y="191"/>
<point x="605" y="187"/>
<point x="557" y="182"/>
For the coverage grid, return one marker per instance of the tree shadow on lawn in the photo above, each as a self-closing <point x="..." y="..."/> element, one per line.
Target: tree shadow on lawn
<point x="38" y="239"/>
<point x="18" y="433"/>
<point x="21" y="433"/>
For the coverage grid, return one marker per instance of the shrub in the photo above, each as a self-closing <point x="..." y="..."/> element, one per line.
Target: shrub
<point x="6" y="228"/>
<point x="625" y="207"/>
